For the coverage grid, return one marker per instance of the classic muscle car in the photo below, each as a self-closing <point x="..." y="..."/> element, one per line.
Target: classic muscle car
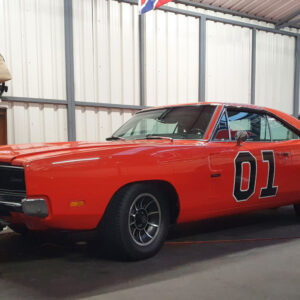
<point x="165" y="165"/>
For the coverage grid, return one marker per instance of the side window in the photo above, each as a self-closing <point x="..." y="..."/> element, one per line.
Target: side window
<point x="255" y="124"/>
<point x="280" y="132"/>
<point x="221" y="133"/>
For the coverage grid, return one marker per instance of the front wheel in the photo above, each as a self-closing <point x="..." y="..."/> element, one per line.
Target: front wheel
<point x="19" y="228"/>
<point x="136" y="222"/>
<point x="297" y="210"/>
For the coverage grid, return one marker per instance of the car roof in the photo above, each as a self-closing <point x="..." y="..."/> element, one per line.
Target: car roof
<point x="284" y="117"/>
<point x="207" y="103"/>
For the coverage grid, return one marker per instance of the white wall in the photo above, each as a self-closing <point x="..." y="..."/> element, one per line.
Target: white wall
<point x="275" y="67"/>
<point x="32" y="123"/>
<point x="228" y="63"/>
<point x="172" y="58"/>
<point x="96" y="124"/>
<point x="106" y="58"/>
<point x="32" y="42"/>
<point x="106" y="64"/>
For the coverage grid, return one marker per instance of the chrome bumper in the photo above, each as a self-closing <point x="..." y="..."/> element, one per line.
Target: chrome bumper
<point x="30" y="207"/>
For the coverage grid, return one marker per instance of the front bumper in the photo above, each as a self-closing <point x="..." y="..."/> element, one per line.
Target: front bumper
<point x="29" y="207"/>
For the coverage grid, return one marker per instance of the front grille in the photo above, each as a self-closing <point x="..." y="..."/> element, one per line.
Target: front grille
<point x="12" y="183"/>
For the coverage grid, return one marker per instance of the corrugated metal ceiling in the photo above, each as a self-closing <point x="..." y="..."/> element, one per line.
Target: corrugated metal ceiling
<point x="278" y="11"/>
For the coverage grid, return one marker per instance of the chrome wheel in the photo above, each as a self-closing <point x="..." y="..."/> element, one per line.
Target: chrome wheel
<point x="144" y="219"/>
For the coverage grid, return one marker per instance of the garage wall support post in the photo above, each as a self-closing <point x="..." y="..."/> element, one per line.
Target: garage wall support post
<point x="297" y="78"/>
<point x="253" y="66"/>
<point x="202" y="58"/>
<point x="69" y="56"/>
<point x="142" y="58"/>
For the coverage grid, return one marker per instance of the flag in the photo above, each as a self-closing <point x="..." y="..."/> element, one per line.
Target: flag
<point x="147" y="5"/>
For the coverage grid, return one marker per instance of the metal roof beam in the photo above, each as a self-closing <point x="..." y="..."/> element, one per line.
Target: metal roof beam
<point x="295" y="23"/>
<point x="285" y="21"/>
<point x="224" y="10"/>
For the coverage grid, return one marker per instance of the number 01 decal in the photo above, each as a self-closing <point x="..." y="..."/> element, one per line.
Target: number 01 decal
<point x="246" y="157"/>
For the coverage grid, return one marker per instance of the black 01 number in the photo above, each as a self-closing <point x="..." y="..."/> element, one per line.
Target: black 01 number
<point x="247" y="158"/>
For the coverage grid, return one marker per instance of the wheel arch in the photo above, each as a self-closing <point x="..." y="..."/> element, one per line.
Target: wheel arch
<point x="168" y="190"/>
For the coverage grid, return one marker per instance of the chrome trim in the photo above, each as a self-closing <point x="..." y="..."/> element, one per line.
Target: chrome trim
<point x="74" y="160"/>
<point x="228" y="126"/>
<point x="270" y="132"/>
<point x="32" y="199"/>
<point x="154" y="137"/>
<point x="216" y="124"/>
<point x="11" y="167"/>
<point x="13" y="204"/>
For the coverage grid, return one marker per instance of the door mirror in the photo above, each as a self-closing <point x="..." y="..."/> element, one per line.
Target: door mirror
<point x="241" y="136"/>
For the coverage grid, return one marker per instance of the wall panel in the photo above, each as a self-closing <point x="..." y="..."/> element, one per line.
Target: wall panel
<point x="172" y="56"/>
<point x="96" y="124"/>
<point x="106" y="53"/>
<point x="32" y="41"/>
<point x="228" y="63"/>
<point x="275" y="69"/>
<point x="32" y="123"/>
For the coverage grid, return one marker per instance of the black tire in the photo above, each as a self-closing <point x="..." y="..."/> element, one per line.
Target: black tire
<point x="19" y="228"/>
<point x="136" y="222"/>
<point x="297" y="210"/>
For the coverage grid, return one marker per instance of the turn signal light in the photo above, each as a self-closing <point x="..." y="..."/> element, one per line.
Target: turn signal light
<point x="77" y="203"/>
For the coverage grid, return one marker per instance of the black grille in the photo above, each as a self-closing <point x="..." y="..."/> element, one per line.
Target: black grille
<point x="12" y="183"/>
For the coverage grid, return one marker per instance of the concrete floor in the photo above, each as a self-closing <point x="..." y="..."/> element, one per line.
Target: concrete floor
<point x="265" y="268"/>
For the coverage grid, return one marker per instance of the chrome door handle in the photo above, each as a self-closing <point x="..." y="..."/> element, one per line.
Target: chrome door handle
<point x="284" y="154"/>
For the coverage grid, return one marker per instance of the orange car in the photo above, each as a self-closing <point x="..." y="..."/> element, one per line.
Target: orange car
<point x="165" y="165"/>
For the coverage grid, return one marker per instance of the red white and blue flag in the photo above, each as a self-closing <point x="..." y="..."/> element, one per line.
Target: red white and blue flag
<point x="147" y="5"/>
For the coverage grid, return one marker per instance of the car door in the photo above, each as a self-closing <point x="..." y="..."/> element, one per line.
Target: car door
<point x="285" y="161"/>
<point x="241" y="174"/>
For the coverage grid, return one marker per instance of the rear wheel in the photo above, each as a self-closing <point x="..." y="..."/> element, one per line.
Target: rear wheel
<point x="136" y="222"/>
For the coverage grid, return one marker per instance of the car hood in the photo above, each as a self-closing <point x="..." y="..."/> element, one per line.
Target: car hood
<point x="17" y="154"/>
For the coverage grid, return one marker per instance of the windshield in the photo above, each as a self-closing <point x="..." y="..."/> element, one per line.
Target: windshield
<point x="185" y="122"/>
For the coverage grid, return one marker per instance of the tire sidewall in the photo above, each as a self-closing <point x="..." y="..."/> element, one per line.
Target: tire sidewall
<point x="134" y="250"/>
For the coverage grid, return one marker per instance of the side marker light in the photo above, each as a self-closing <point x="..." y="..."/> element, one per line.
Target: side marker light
<point x="77" y="203"/>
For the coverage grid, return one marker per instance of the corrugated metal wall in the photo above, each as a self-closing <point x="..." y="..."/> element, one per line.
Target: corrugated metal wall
<point x="275" y="67"/>
<point x="32" y="41"/>
<point x="228" y="63"/>
<point x="33" y="123"/>
<point x="106" y="64"/>
<point x="106" y="51"/>
<point x="96" y="124"/>
<point x="172" y="58"/>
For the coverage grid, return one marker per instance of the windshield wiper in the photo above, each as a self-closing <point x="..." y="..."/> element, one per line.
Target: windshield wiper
<point x="115" y="138"/>
<point x="158" y="137"/>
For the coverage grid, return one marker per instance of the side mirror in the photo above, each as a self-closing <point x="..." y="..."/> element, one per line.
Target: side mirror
<point x="241" y="136"/>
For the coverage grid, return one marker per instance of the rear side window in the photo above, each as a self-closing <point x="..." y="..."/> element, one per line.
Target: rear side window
<point x="280" y="132"/>
<point x="255" y="124"/>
